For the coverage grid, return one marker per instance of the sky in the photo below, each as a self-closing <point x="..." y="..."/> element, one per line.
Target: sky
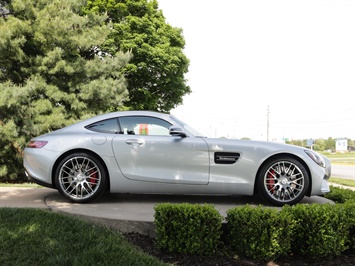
<point x="289" y="64"/>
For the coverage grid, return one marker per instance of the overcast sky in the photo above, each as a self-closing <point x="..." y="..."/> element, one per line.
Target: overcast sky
<point x="296" y="57"/>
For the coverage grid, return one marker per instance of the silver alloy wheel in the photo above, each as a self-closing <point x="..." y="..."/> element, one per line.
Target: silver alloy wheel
<point x="79" y="177"/>
<point x="284" y="182"/>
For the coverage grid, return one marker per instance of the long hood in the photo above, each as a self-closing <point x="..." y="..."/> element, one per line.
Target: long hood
<point x="252" y="143"/>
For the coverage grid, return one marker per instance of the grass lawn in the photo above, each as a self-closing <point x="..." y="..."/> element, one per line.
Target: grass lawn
<point x="342" y="181"/>
<point x="341" y="158"/>
<point x="339" y="155"/>
<point x="42" y="237"/>
<point x="20" y="185"/>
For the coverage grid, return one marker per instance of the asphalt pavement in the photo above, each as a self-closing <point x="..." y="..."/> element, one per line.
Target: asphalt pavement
<point x="125" y="212"/>
<point x="343" y="171"/>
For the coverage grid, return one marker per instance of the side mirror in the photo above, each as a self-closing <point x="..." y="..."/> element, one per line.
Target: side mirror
<point x="177" y="131"/>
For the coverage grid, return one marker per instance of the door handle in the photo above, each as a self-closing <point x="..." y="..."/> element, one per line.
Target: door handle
<point x="135" y="142"/>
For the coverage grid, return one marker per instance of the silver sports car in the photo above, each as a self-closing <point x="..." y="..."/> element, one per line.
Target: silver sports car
<point x="149" y="152"/>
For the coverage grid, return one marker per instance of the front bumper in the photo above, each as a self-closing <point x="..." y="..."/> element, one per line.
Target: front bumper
<point x="325" y="186"/>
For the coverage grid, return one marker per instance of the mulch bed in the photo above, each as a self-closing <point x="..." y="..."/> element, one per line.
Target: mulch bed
<point x="147" y="244"/>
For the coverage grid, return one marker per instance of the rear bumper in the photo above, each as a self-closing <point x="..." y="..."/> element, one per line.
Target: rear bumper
<point x="37" y="181"/>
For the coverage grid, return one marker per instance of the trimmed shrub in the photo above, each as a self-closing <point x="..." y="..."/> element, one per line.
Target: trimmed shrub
<point x="320" y="230"/>
<point x="340" y="195"/>
<point x="258" y="232"/>
<point x="189" y="229"/>
<point x="349" y="209"/>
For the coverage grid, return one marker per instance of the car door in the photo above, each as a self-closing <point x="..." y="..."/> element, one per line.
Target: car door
<point x="146" y="152"/>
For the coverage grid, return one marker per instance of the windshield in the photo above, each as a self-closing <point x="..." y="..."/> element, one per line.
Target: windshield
<point x="189" y="129"/>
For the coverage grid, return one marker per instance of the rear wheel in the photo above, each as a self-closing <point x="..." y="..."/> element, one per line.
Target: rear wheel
<point x="81" y="177"/>
<point x="283" y="181"/>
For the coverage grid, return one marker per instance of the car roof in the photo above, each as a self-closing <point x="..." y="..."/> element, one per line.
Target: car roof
<point x="126" y="113"/>
<point x="81" y="124"/>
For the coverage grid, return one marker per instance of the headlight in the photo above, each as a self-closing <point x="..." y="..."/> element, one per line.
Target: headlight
<point x="317" y="158"/>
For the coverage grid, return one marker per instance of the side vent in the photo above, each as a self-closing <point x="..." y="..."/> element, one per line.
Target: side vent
<point x="226" y="157"/>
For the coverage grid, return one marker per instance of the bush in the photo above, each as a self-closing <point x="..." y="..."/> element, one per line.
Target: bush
<point x="346" y="196"/>
<point x="340" y="195"/>
<point x="349" y="209"/>
<point x="320" y="230"/>
<point x="258" y="232"/>
<point x="186" y="228"/>
<point x="261" y="233"/>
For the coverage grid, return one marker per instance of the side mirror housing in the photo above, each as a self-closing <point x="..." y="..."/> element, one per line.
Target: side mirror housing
<point x="177" y="131"/>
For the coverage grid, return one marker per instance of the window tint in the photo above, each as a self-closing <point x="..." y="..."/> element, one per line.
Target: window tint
<point x="143" y="125"/>
<point x="105" y="126"/>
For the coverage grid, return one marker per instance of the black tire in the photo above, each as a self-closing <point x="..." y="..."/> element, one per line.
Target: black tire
<point x="81" y="177"/>
<point x="283" y="180"/>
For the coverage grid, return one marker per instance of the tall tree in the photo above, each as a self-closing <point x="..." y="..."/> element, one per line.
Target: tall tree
<point x="52" y="72"/>
<point x="319" y="145"/>
<point x="330" y="144"/>
<point x="155" y="74"/>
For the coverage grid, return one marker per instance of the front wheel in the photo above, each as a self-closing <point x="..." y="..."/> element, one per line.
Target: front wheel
<point x="283" y="181"/>
<point x="81" y="177"/>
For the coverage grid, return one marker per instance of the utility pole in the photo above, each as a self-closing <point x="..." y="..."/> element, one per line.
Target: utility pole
<point x="267" y="124"/>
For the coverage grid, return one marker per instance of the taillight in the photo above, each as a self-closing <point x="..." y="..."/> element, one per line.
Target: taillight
<point x="37" y="144"/>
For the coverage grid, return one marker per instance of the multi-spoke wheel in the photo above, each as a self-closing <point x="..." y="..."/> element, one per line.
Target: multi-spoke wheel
<point x="283" y="181"/>
<point x="80" y="177"/>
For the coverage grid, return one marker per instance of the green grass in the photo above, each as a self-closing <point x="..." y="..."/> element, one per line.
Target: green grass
<point x="342" y="181"/>
<point x="20" y="185"/>
<point x="341" y="158"/>
<point x="343" y="161"/>
<point x="42" y="237"/>
<point x="339" y="155"/>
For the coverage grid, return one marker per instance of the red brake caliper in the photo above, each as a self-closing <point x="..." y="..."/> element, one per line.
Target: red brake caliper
<point x="93" y="178"/>
<point x="271" y="181"/>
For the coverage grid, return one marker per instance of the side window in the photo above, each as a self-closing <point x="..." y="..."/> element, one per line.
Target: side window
<point x="105" y="126"/>
<point x="144" y="125"/>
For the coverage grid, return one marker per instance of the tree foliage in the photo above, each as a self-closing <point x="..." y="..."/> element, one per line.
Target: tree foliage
<point x="320" y="144"/>
<point x="155" y="74"/>
<point x="330" y="144"/>
<point x="53" y="71"/>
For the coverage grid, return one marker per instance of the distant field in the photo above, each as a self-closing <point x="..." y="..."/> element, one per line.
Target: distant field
<point x="341" y="158"/>
<point x="342" y="181"/>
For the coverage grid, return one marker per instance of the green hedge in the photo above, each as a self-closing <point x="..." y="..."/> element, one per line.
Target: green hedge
<point x="320" y="230"/>
<point x="261" y="233"/>
<point x="258" y="232"/>
<point x="186" y="228"/>
<point x="350" y="213"/>
<point x="340" y="195"/>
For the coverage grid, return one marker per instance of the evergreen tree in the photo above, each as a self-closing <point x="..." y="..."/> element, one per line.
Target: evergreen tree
<point x="155" y="74"/>
<point x="53" y="72"/>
